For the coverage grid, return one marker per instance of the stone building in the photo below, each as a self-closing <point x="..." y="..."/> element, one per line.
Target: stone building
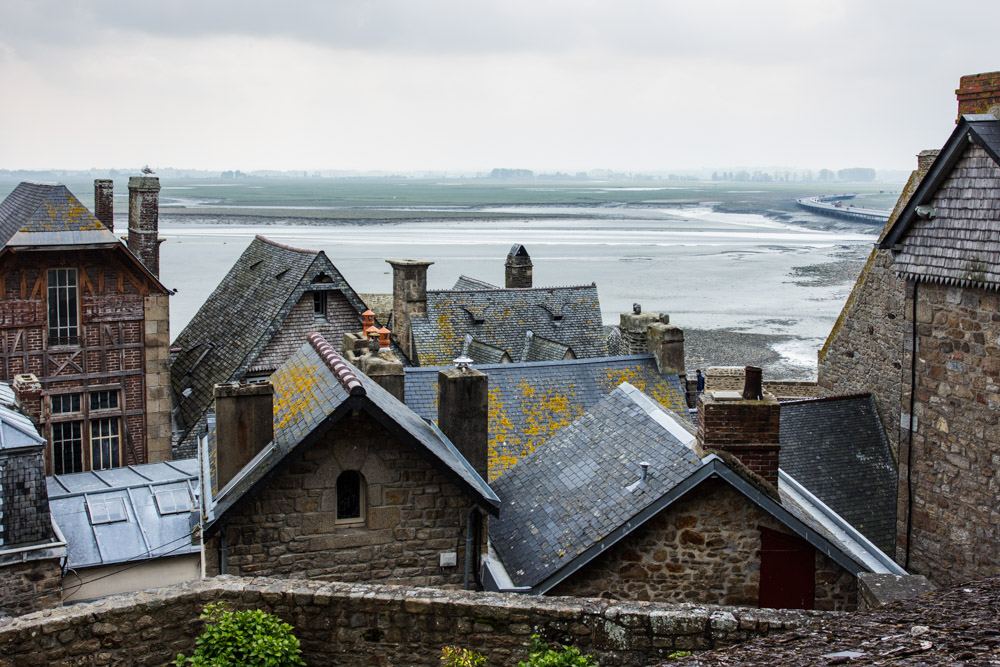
<point x="84" y="325"/>
<point x="492" y="324"/>
<point x="352" y="485"/>
<point x="31" y="548"/>
<point x="674" y="517"/>
<point x="946" y="245"/>
<point x="272" y="297"/>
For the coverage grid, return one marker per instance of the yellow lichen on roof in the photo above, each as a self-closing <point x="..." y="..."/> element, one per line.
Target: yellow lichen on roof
<point x="294" y="392"/>
<point x="502" y="439"/>
<point x="659" y="389"/>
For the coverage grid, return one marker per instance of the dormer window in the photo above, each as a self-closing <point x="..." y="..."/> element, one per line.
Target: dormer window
<point x="350" y="497"/>
<point x="63" y="307"/>
<point x="319" y="304"/>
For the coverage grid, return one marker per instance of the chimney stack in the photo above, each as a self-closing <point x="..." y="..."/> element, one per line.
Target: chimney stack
<point x="517" y="269"/>
<point x="666" y="343"/>
<point x="746" y="428"/>
<point x="409" y="299"/>
<point x="463" y="412"/>
<point x="144" y="220"/>
<point x="978" y="93"/>
<point x="104" y="202"/>
<point x="28" y="394"/>
<point x="244" y="425"/>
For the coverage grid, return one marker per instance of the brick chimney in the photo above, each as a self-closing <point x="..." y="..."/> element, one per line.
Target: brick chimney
<point x="409" y="299"/>
<point x="28" y="394"/>
<point x="244" y="425"/>
<point x="978" y="93"/>
<point x="744" y="424"/>
<point x="104" y="202"/>
<point x="463" y="412"/>
<point x="144" y="220"/>
<point x="517" y="268"/>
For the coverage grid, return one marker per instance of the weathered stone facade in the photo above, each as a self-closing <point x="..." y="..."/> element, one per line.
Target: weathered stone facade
<point x="953" y="526"/>
<point x="345" y="624"/>
<point x="29" y="586"/>
<point x="413" y="513"/>
<point x="703" y="549"/>
<point x="339" y="317"/>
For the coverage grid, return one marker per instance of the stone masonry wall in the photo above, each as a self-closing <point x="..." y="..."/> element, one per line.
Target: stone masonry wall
<point x="414" y="513"/>
<point x="955" y="518"/>
<point x="704" y="549"/>
<point x="157" y="368"/>
<point x="30" y="586"/>
<point x="347" y="624"/>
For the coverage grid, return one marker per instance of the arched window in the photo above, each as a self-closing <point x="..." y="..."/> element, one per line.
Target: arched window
<point x="350" y="497"/>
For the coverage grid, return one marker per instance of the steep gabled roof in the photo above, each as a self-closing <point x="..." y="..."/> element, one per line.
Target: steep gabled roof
<point x="469" y="283"/>
<point x="531" y="402"/>
<point x="575" y="498"/>
<point x="313" y="390"/>
<point x="836" y="448"/>
<point x="949" y="230"/>
<point x="35" y="209"/>
<point x="239" y="318"/>
<point x="501" y="318"/>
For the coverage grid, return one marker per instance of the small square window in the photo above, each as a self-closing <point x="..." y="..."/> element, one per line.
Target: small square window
<point x="173" y="501"/>
<point x="65" y="403"/>
<point x="104" y="400"/>
<point x="106" y="510"/>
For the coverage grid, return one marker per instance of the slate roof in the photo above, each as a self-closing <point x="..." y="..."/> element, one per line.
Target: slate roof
<point x="578" y="496"/>
<point x="530" y="402"/>
<point x="837" y="449"/>
<point x="40" y="208"/>
<point x="313" y="389"/>
<point x="232" y="328"/>
<point x="502" y="318"/>
<point x="469" y="283"/>
<point x="959" y="243"/>
<point x="156" y="503"/>
<point x="581" y="486"/>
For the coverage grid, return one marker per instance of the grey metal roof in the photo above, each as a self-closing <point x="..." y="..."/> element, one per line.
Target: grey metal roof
<point x="79" y="501"/>
<point x="959" y="242"/>
<point x="502" y="317"/>
<point x="836" y="448"/>
<point x="569" y="495"/>
<point x="531" y="402"/>
<point x="16" y="429"/>
<point x="224" y="339"/>
<point x="310" y="397"/>
<point x="33" y="208"/>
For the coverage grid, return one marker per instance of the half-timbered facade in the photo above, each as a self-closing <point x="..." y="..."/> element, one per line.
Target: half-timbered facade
<point x="84" y="332"/>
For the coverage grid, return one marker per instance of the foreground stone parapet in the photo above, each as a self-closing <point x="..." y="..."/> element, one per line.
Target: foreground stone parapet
<point x="349" y="624"/>
<point x="876" y="590"/>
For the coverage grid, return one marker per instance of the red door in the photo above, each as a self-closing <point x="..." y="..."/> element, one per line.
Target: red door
<point x="787" y="571"/>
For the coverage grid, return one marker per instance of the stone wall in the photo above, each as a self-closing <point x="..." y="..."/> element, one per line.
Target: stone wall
<point x="157" y="368"/>
<point x="954" y="522"/>
<point x="356" y="624"/>
<point x="29" y="585"/>
<point x="414" y="513"/>
<point x="703" y="549"/>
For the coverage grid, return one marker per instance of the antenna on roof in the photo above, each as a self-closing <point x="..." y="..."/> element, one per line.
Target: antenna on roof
<point x="463" y="363"/>
<point x="147" y="170"/>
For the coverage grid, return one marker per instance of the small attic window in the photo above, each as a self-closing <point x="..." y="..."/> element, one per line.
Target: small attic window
<point x="256" y="264"/>
<point x="319" y="304"/>
<point x="106" y="510"/>
<point x="280" y="274"/>
<point x="323" y="278"/>
<point x="173" y="501"/>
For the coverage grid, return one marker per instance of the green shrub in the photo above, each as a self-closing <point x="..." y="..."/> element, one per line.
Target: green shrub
<point x="251" y="637"/>
<point x="677" y="655"/>
<point x="453" y="656"/>
<point x="541" y="654"/>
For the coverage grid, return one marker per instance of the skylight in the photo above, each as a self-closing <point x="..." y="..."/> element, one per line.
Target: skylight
<point x="106" y="510"/>
<point x="173" y="501"/>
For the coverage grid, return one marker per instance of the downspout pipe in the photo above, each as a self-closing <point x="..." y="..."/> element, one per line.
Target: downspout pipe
<point x="472" y="536"/>
<point x="909" y="435"/>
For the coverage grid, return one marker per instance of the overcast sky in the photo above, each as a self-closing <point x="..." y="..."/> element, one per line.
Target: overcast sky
<point x="468" y="84"/>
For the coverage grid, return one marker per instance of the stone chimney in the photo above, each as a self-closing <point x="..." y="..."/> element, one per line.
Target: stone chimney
<point x="144" y="220"/>
<point x="744" y="424"/>
<point x="634" y="329"/>
<point x="666" y="342"/>
<point x="925" y="159"/>
<point x="978" y="93"/>
<point x="104" y="202"/>
<point x="244" y="425"/>
<point x="28" y="394"/>
<point x="463" y="412"/>
<point x="517" y="269"/>
<point x="373" y="356"/>
<point x="409" y="299"/>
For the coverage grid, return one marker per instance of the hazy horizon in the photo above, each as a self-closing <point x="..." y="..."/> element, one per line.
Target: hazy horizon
<point x="447" y="85"/>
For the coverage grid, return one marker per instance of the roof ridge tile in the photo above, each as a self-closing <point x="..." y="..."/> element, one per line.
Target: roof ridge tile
<point x="337" y="365"/>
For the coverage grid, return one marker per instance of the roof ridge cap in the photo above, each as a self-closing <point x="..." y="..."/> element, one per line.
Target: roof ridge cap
<point x="514" y="289"/>
<point x="337" y="365"/>
<point x="285" y="246"/>
<point x="828" y="399"/>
